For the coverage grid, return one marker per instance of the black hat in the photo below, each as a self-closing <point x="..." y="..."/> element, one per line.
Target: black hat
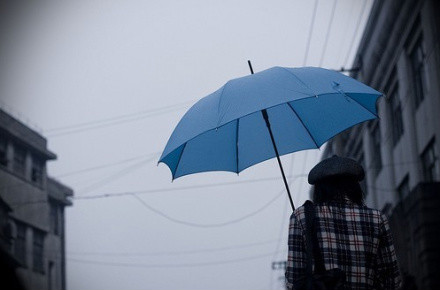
<point x="336" y="166"/>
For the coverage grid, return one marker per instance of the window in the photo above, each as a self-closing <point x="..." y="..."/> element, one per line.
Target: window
<point x="20" y="244"/>
<point x="396" y="116"/>
<point x="3" y="151"/>
<point x="377" y="156"/>
<point x="37" y="171"/>
<point x="403" y="188"/>
<point x="429" y="162"/>
<point x="417" y="58"/>
<point x="392" y="90"/>
<point x="54" y="218"/>
<point x="38" y="250"/>
<point x="19" y="160"/>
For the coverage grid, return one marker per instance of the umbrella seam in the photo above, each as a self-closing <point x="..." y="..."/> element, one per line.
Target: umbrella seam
<point x="302" y="123"/>
<point x="219" y="118"/>
<point x="303" y="83"/>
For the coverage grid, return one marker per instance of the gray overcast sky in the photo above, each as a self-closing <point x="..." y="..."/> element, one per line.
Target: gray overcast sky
<point x="127" y="71"/>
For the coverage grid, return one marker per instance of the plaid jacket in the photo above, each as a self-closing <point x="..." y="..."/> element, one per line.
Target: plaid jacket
<point x="355" y="239"/>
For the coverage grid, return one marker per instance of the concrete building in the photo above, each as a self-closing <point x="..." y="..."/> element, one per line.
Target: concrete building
<point x="399" y="55"/>
<point x="33" y="205"/>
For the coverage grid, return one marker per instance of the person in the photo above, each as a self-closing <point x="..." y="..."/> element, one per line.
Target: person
<point x="352" y="237"/>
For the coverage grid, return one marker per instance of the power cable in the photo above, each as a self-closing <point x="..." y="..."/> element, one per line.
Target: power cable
<point x="115" y="118"/>
<point x="115" y="176"/>
<point x="117" y="194"/>
<point x="183" y="265"/>
<point x="346" y="26"/>
<point x="106" y="165"/>
<point x="312" y="24"/>
<point x="355" y="32"/>
<point x="120" y="194"/>
<point x="85" y="170"/>
<point x="216" y="225"/>
<point x="329" y="27"/>
<point x="111" y="123"/>
<point x="175" y="253"/>
<point x="166" y="216"/>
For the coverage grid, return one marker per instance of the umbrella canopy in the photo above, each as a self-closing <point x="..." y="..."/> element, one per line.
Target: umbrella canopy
<point x="226" y="130"/>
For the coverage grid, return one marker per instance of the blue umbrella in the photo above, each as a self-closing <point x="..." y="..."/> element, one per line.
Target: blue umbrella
<point x="264" y="115"/>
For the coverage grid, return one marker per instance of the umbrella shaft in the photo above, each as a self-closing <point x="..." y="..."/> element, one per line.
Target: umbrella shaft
<point x="266" y="118"/>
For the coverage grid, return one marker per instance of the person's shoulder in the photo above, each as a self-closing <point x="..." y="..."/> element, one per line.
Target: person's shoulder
<point x="376" y="214"/>
<point x="300" y="212"/>
<point x="372" y="210"/>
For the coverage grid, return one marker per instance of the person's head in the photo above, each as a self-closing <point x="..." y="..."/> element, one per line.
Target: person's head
<point x="337" y="178"/>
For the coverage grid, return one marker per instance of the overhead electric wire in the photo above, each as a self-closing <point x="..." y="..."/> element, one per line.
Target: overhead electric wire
<point x="329" y="27"/>
<point x="106" y="165"/>
<point x="312" y="24"/>
<point x="214" y="225"/>
<point x="174" y="253"/>
<point x="45" y="200"/>
<point x="355" y="32"/>
<point x="127" y="193"/>
<point x="117" y="194"/>
<point x="115" y="118"/>
<point x="71" y="129"/>
<point x="86" y="170"/>
<point x="182" y="265"/>
<point x="222" y="224"/>
<point x="116" y="175"/>
<point x="346" y="26"/>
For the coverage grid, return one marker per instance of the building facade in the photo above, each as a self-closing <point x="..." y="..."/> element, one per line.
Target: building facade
<point x="33" y="229"/>
<point x="399" y="55"/>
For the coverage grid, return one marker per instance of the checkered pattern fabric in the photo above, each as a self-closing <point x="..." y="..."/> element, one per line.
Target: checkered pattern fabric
<point x="353" y="238"/>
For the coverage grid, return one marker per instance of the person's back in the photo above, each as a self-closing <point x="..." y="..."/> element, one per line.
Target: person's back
<point x="351" y="236"/>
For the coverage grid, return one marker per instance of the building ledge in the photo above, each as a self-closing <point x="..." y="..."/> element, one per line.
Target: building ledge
<point x="25" y="135"/>
<point x="59" y="192"/>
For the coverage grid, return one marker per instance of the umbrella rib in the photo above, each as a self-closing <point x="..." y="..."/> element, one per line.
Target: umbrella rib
<point x="236" y="142"/>
<point x="180" y="157"/>
<point x="305" y="127"/>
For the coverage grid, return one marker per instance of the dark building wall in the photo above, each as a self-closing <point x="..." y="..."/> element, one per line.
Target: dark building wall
<point x="415" y="223"/>
<point x="403" y="168"/>
<point x="37" y="205"/>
